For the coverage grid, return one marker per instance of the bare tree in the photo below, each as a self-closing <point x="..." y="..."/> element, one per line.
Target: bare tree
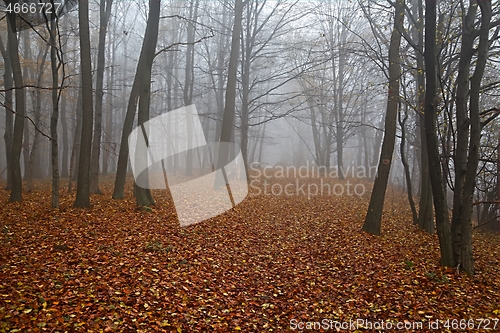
<point x="17" y="138"/>
<point x="438" y="190"/>
<point x="374" y="215"/>
<point x="140" y="94"/>
<point x="83" y="184"/>
<point x="55" y="65"/>
<point x="230" y="101"/>
<point x="9" y="116"/>
<point x="468" y="129"/>
<point x="104" y="13"/>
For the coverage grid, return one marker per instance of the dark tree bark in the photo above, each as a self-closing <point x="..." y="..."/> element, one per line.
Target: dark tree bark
<point x="498" y="180"/>
<point x="230" y="101"/>
<point x="65" y="138"/>
<point x="104" y="11"/>
<point x="142" y="195"/>
<point x="140" y="90"/>
<point x="17" y="138"/>
<point x="75" y="151"/>
<point x="406" y="166"/>
<point x="9" y="116"/>
<point x="374" y="215"/>
<point x="55" y="64"/>
<point x="462" y="137"/>
<point x="466" y="259"/>
<point x="425" y="209"/>
<point x="27" y="77"/>
<point x="82" y="187"/>
<point x="438" y="190"/>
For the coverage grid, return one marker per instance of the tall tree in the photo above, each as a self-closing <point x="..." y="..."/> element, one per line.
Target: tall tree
<point x="104" y="12"/>
<point x="438" y="190"/>
<point x="140" y="93"/>
<point x="143" y="195"/>
<point x="55" y="64"/>
<point x="230" y="101"/>
<point x="468" y="131"/>
<point x="9" y="116"/>
<point x="17" y="138"/>
<point x="374" y="215"/>
<point x="82" y="186"/>
<point x="34" y="153"/>
<point x="425" y="210"/>
<point x="189" y="79"/>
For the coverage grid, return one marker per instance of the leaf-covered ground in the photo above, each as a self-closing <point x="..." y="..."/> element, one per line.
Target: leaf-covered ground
<point x="267" y="265"/>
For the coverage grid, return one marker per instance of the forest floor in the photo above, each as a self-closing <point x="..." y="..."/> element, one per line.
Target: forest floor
<point x="273" y="263"/>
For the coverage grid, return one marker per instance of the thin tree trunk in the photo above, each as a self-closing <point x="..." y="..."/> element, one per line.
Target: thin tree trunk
<point x="105" y="10"/>
<point x="402" y="123"/>
<point x="34" y="153"/>
<point x="55" y="115"/>
<point x="462" y="137"/>
<point x="466" y="256"/>
<point x="64" y="121"/>
<point x="65" y="138"/>
<point x="27" y="77"/>
<point x="75" y="151"/>
<point x="440" y="205"/>
<point x="230" y="102"/>
<point x="374" y="215"/>
<point x="140" y="89"/>
<point x="9" y="117"/>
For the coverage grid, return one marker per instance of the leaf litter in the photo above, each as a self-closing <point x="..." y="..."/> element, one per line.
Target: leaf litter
<point x="271" y="259"/>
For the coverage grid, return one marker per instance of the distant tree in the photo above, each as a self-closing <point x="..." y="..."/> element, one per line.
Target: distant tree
<point x="189" y="73"/>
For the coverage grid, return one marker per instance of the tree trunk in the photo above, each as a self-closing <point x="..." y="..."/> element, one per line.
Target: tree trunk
<point x="82" y="187"/>
<point x="27" y="77"/>
<point x="17" y="138"/>
<point x="498" y="181"/>
<point x="230" y="102"/>
<point x="140" y="90"/>
<point x="104" y="11"/>
<point x="34" y="153"/>
<point x="55" y="115"/>
<point x="425" y="212"/>
<point x="402" y="123"/>
<point x="9" y="117"/>
<point x="466" y="256"/>
<point x="64" y="121"/>
<point x="108" y="135"/>
<point x="438" y="190"/>
<point x="189" y="79"/>
<point x="75" y="151"/>
<point x="65" y="137"/>
<point x="374" y="215"/>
